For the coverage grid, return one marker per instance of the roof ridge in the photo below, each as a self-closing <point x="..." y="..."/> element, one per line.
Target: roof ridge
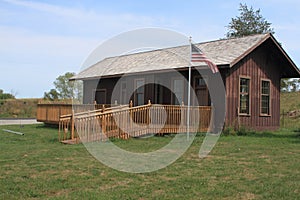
<point x="180" y="46"/>
<point x="234" y="38"/>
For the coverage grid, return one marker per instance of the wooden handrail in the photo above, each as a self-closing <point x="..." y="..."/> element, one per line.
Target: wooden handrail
<point x="125" y="122"/>
<point x="51" y="112"/>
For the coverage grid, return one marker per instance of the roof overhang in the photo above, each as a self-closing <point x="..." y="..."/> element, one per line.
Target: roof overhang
<point x="293" y="70"/>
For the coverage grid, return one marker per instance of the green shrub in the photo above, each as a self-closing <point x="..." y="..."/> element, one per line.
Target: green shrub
<point x="242" y="131"/>
<point x="229" y="131"/>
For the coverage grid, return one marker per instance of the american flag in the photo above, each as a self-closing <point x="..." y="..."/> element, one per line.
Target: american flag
<point x="199" y="56"/>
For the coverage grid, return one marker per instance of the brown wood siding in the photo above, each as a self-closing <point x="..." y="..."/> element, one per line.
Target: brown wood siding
<point x="257" y="65"/>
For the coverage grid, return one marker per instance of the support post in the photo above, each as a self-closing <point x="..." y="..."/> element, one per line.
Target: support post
<point x="72" y="125"/>
<point x="148" y="112"/>
<point x="189" y="92"/>
<point x="130" y="116"/>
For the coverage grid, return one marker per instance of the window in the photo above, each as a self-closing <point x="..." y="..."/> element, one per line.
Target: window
<point x="265" y="97"/>
<point x="178" y="91"/>
<point x="244" y="96"/>
<point x="200" y="82"/>
<point x="139" y="92"/>
<point x="158" y="92"/>
<point x="123" y="93"/>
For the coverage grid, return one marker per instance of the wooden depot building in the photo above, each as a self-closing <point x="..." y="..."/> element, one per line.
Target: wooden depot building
<point x="251" y="68"/>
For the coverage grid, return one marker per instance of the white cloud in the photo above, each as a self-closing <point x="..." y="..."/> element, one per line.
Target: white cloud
<point x="57" y="10"/>
<point x="89" y="19"/>
<point x="17" y="42"/>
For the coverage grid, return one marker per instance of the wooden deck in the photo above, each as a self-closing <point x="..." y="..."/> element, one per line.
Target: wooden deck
<point x="85" y="123"/>
<point x="126" y="121"/>
<point x="50" y="112"/>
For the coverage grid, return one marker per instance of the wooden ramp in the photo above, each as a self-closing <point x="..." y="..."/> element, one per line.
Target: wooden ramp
<point x="127" y="121"/>
<point x="70" y="141"/>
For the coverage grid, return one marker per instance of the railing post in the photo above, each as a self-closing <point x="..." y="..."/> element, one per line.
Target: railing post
<point x="130" y="116"/>
<point x="212" y="119"/>
<point x="103" y="121"/>
<point x="72" y="125"/>
<point x="59" y="128"/>
<point x="183" y="119"/>
<point x="148" y="112"/>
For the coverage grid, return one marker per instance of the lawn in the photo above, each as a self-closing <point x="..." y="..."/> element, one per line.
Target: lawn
<point x="256" y="166"/>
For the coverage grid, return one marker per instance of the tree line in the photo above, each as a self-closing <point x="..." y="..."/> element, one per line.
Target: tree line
<point x="4" y="95"/>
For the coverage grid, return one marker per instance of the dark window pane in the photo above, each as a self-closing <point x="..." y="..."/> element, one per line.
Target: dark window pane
<point x="244" y="95"/>
<point x="244" y="85"/>
<point x="200" y="82"/>
<point x="265" y="97"/>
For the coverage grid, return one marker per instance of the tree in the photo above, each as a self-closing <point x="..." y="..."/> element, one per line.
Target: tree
<point x="64" y="86"/>
<point x="294" y="85"/>
<point x="51" y="95"/>
<point x="284" y="85"/>
<point x="249" y="22"/>
<point x="290" y="85"/>
<point x="6" y="95"/>
<point x="64" y="89"/>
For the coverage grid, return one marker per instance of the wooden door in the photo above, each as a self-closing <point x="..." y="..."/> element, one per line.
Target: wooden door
<point x="201" y="90"/>
<point x="100" y="96"/>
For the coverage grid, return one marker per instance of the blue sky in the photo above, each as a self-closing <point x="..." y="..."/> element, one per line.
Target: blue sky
<point x="40" y="40"/>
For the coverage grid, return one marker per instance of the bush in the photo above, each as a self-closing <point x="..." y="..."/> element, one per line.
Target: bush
<point x="242" y="131"/>
<point x="229" y="131"/>
<point x="18" y="108"/>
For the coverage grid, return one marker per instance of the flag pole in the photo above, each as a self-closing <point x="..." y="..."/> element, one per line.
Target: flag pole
<point x="189" y="91"/>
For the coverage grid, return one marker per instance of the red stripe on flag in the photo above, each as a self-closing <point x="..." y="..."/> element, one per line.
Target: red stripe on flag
<point x="198" y="56"/>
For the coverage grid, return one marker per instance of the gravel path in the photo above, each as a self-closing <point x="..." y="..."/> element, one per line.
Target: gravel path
<point x="18" y="121"/>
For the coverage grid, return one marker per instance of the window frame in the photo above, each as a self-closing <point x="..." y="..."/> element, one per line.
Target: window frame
<point x="249" y="96"/>
<point x="173" y="90"/>
<point x="261" y="95"/>
<point x="136" y="93"/>
<point x="123" y="92"/>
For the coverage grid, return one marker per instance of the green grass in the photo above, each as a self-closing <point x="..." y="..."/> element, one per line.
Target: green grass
<point x="256" y="166"/>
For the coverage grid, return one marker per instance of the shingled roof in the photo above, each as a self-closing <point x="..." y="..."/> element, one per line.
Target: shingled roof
<point x="224" y="52"/>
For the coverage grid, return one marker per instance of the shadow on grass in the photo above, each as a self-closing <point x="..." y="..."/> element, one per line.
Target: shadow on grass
<point x="275" y="134"/>
<point x="282" y="133"/>
<point x="47" y="126"/>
